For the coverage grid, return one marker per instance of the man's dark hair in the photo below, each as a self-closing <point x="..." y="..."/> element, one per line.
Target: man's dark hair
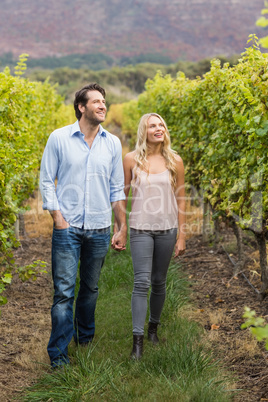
<point x="81" y="97"/>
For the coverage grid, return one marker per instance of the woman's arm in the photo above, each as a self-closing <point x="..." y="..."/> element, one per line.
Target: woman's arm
<point x="128" y="164"/>
<point x="180" y="245"/>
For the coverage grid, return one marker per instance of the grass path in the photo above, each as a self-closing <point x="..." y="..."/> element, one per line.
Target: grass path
<point x="181" y="368"/>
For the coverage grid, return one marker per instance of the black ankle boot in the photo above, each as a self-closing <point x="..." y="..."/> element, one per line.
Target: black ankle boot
<point x="152" y="333"/>
<point x="137" y="347"/>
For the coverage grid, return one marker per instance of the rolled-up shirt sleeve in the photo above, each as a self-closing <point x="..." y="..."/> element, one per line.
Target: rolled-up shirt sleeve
<point x="117" y="175"/>
<point x="48" y="174"/>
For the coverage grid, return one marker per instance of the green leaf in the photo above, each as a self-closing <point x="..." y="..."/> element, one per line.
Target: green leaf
<point x="260" y="333"/>
<point x="264" y="42"/>
<point x="7" y="278"/>
<point x="257" y="119"/>
<point x="261" y="132"/>
<point x="3" y="300"/>
<point x="262" y="22"/>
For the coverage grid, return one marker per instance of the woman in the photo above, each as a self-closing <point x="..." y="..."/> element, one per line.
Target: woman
<point x="156" y="174"/>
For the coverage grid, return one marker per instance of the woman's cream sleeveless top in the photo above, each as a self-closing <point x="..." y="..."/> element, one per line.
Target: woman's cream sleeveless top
<point x="154" y="205"/>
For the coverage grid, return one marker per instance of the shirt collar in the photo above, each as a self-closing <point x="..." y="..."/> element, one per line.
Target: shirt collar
<point x="76" y="129"/>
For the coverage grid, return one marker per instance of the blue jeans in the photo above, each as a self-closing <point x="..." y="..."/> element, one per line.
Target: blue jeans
<point x="68" y="247"/>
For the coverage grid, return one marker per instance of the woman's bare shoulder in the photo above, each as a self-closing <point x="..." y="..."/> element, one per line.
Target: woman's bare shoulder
<point x="178" y="158"/>
<point x="130" y="156"/>
<point x="129" y="159"/>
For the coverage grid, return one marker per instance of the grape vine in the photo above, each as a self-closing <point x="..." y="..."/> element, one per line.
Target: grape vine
<point x="219" y="125"/>
<point x="29" y="111"/>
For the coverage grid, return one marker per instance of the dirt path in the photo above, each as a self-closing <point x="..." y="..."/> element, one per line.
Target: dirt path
<point x="219" y="301"/>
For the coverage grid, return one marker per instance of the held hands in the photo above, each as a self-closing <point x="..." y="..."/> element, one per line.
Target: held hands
<point x="119" y="240"/>
<point x="179" y="247"/>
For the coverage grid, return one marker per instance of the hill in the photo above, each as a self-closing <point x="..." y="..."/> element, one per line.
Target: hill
<point x="176" y="29"/>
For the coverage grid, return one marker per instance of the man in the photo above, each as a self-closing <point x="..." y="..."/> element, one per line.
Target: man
<point x="86" y="160"/>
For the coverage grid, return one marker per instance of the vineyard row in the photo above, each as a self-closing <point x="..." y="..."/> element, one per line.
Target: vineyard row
<point x="29" y="111"/>
<point x="219" y="126"/>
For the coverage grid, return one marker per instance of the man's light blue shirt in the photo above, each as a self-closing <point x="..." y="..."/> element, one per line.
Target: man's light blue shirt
<point x="88" y="179"/>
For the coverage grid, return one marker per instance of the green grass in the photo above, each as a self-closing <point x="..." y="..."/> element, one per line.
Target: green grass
<point x="181" y="368"/>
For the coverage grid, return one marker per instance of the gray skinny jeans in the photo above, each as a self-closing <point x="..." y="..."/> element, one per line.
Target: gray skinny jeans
<point x="151" y="254"/>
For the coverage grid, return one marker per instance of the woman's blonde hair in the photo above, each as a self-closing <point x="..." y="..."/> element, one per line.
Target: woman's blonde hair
<point x="141" y="150"/>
